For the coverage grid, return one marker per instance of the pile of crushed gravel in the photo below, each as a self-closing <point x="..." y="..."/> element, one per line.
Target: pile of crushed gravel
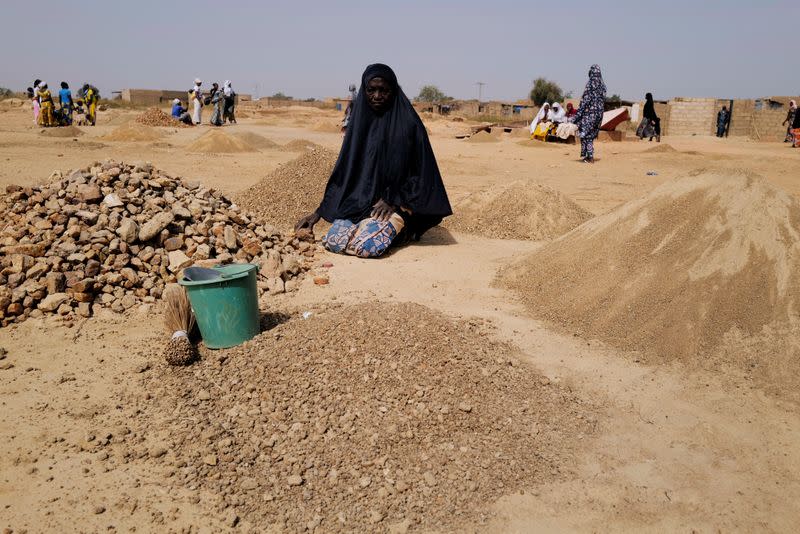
<point x="292" y="190"/>
<point x="315" y="424"/>
<point x="520" y="210"/>
<point x="156" y="117"/>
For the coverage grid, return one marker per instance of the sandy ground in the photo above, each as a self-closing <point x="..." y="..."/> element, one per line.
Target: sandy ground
<point x="676" y="450"/>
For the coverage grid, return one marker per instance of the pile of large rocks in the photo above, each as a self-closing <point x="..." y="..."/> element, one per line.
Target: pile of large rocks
<point x="113" y="235"/>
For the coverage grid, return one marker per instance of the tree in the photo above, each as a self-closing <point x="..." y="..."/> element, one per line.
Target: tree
<point x="280" y="96"/>
<point x="614" y="99"/>
<point x="431" y="93"/>
<point x="6" y="92"/>
<point x="545" y="91"/>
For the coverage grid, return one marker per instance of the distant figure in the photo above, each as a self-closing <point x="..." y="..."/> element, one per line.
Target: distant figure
<point x="65" y="99"/>
<point x="385" y="189"/>
<point x="590" y="112"/>
<point x="196" y="100"/>
<point x="46" y="102"/>
<point x="34" y="104"/>
<point x="722" y="121"/>
<point x="796" y="130"/>
<point x="571" y="111"/>
<point x="229" y="104"/>
<point x="91" y="96"/>
<point x="539" y="120"/>
<point x="790" y="121"/>
<point x="79" y="114"/>
<point x="349" y="109"/>
<point x="180" y="113"/>
<point x="557" y="114"/>
<point x="216" y="99"/>
<point x="651" y="124"/>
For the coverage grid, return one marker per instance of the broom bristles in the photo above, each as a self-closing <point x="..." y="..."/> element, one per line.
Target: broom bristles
<point x="178" y="313"/>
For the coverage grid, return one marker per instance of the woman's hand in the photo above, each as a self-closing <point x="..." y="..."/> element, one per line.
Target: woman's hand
<point x="381" y="210"/>
<point x="307" y="222"/>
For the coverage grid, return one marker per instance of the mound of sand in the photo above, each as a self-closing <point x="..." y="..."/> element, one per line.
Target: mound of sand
<point x="256" y="140"/>
<point x="326" y="126"/>
<point x="483" y="137"/>
<point x="216" y="142"/>
<point x="156" y="117"/>
<point x="63" y="131"/>
<point x="133" y="131"/>
<point x="300" y="145"/>
<point x="674" y="272"/>
<point x="661" y="149"/>
<point x="520" y="210"/>
<point x="312" y="423"/>
<point x="292" y="190"/>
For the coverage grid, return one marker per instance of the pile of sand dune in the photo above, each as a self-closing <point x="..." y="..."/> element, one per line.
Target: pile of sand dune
<point x="255" y="140"/>
<point x="483" y="137"/>
<point x="694" y="266"/>
<point x="217" y="141"/>
<point x="520" y="210"/>
<point x="133" y="131"/>
<point x="63" y="131"/>
<point x="326" y="126"/>
<point x="661" y="149"/>
<point x="300" y="145"/>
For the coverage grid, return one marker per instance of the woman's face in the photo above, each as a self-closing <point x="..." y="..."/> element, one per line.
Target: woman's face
<point x="379" y="94"/>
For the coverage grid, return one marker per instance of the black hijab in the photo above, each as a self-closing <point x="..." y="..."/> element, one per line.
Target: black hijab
<point x="386" y="156"/>
<point x="649" y="107"/>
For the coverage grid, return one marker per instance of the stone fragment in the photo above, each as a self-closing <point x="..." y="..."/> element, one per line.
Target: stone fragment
<point x="53" y="301"/>
<point x="153" y="227"/>
<point x="178" y="260"/>
<point x="128" y="230"/>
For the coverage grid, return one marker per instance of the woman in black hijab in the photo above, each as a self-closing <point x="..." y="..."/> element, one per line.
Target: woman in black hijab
<point x="385" y="188"/>
<point x="651" y="124"/>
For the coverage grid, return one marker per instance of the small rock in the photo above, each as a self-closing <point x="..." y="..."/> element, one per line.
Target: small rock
<point x="465" y="407"/>
<point x="99" y="509"/>
<point x="294" y="480"/>
<point x="53" y="301"/>
<point x="210" y="459"/>
<point x="204" y="395"/>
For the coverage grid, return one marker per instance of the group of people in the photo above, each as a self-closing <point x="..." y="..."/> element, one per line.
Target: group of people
<point x="554" y="120"/>
<point x="82" y="110"/>
<point x="222" y="99"/>
<point x="584" y="122"/>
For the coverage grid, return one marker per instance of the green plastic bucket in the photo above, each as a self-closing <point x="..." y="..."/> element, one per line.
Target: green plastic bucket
<point x="226" y="307"/>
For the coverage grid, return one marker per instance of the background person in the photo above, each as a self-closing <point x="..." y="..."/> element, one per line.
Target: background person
<point x="46" y="102"/>
<point x="790" y="120"/>
<point x="180" y="113"/>
<point x="196" y="100"/>
<point x="590" y="112"/>
<point x="651" y="124"/>
<point x="229" y="103"/>
<point x="91" y="96"/>
<point x="722" y="121"/>
<point x="65" y="99"/>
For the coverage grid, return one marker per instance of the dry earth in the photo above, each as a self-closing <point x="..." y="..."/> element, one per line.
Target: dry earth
<point x="674" y="447"/>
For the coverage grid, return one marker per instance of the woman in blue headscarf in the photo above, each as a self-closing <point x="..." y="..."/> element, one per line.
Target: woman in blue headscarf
<point x="590" y="112"/>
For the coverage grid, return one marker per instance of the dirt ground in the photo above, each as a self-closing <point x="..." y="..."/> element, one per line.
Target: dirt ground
<point x="675" y="449"/>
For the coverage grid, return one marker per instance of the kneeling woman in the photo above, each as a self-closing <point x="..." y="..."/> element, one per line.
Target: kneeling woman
<point x="386" y="188"/>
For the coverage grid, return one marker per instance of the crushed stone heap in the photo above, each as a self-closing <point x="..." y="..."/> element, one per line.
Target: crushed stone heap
<point x="313" y="423"/>
<point x="113" y="234"/>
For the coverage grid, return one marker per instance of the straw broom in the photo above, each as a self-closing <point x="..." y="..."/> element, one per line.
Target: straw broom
<point x="179" y="321"/>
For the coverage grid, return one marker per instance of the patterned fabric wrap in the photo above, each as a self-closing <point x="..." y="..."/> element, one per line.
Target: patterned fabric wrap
<point x="370" y="238"/>
<point x="339" y="236"/>
<point x="590" y="111"/>
<point x="646" y="129"/>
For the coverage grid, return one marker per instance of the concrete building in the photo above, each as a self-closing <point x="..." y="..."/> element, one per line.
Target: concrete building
<point x="160" y="97"/>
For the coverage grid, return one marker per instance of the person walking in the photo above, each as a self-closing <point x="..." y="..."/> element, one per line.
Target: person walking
<point x="229" y="103"/>
<point x="651" y="124"/>
<point x="196" y="99"/>
<point x="590" y="112"/>
<point x="723" y="116"/>
<point x="789" y="121"/>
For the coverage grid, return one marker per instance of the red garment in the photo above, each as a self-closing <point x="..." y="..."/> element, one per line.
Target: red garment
<point x="571" y="111"/>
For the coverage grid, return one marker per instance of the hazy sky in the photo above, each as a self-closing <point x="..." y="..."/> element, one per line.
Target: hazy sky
<point x="315" y="48"/>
